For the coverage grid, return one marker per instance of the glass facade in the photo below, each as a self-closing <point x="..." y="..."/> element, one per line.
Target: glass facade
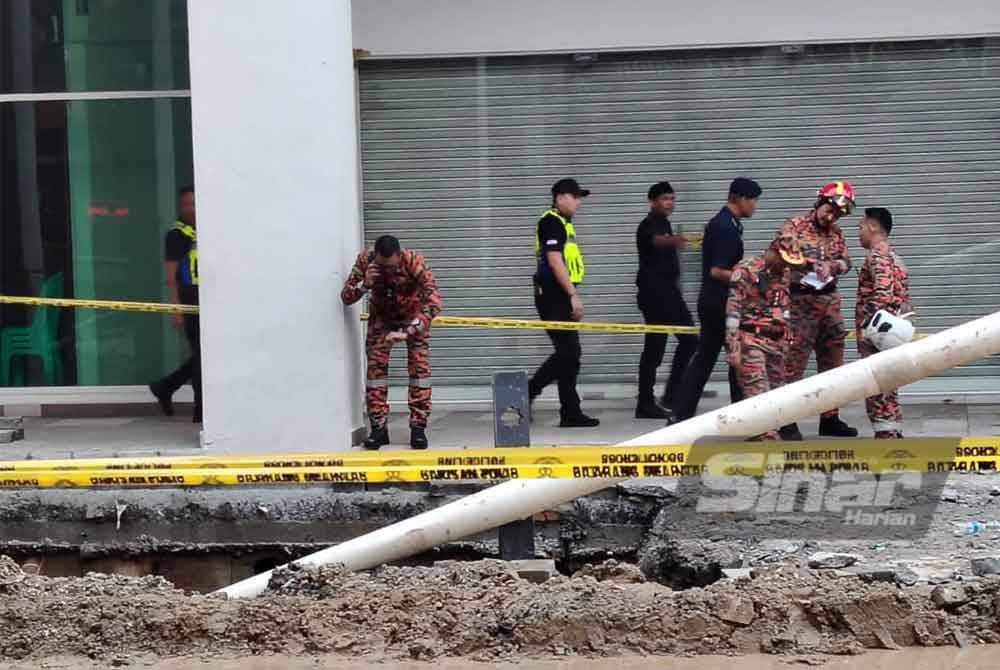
<point x="88" y="186"/>
<point x="93" y="45"/>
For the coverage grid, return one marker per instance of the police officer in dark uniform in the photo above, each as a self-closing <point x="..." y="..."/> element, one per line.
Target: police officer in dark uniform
<point x="559" y="272"/>
<point x="660" y="300"/>
<point x="181" y="264"/>
<point x="721" y="250"/>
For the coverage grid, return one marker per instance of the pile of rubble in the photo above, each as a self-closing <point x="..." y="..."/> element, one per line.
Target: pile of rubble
<point x="483" y="610"/>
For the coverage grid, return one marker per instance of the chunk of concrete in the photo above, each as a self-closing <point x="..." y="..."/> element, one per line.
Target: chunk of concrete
<point x="828" y="560"/>
<point x="735" y="609"/>
<point x="874" y="573"/>
<point x="536" y="570"/>
<point x="949" y="597"/>
<point x="985" y="566"/>
<point x="736" y="573"/>
<point x="949" y="495"/>
<point x="650" y="487"/>
<point x="905" y="576"/>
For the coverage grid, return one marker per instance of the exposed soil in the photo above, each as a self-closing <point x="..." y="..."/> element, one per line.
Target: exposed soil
<point x="482" y="611"/>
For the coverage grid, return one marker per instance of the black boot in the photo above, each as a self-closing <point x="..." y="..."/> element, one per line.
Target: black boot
<point x="581" y="420"/>
<point x="378" y="437"/>
<point x="834" y="427"/>
<point x="790" y="433"/>
<point x="163" y="398"/>
<point x="649" y="409"/>
<point x="418" y="438"/>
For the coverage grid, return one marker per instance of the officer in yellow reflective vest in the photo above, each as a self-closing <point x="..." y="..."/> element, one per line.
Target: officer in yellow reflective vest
<point x="181" y="265"/>
<point x="559" y="272"/>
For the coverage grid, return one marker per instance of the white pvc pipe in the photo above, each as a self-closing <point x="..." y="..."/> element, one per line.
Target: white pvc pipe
<point x="519" y="499"/>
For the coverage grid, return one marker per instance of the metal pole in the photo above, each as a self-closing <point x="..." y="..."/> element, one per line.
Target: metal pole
<point x="517" y="499"/>
<point x="511" y="428"/>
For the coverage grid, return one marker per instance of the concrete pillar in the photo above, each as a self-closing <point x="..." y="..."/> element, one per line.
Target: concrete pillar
<point x="276" y="177"/>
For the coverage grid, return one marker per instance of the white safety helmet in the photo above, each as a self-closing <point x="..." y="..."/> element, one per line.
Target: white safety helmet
<point x="886" y="330"/>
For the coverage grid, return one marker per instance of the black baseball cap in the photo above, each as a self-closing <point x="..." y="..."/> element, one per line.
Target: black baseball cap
<point x="569" y="186"/>
<point x="745" y="188"/>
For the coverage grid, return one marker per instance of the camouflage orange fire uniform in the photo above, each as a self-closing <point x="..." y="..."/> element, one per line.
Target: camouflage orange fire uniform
<point x="816" y="322"/>
<point x="759" y="301"/>
<point x="404" y="298"/>
<point x="883" y="283"/>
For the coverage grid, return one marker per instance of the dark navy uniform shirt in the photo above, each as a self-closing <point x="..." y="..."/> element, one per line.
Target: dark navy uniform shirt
<point x="721" y="248"/>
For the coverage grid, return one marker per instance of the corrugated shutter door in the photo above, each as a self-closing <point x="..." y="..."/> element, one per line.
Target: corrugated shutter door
<point x="459" y="155"/>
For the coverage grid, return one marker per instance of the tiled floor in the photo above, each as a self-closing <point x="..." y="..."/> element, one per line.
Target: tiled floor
<point x="451" y="427"/>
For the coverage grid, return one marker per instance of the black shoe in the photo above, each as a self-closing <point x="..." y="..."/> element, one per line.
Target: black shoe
<point x="418" y="438"/>
<point x="579" y="421"/>
<point x="790" y="433"/>
<point x="835" y="427"/>
<point x="379" y="437"/>
<point x="650" y="410"/>
<point x="166" y="402"/>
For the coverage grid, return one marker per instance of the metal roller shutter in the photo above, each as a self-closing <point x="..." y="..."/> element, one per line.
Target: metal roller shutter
<point x="458" y="156"/>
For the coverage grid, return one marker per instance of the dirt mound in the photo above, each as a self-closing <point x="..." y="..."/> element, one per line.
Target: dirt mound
<point x="483" y="611"/>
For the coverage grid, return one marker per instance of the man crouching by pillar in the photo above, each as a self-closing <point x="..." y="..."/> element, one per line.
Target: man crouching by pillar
<point x="403" y="300"/>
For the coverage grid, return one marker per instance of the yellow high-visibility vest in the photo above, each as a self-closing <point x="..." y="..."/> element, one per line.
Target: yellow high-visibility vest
<point x="189" y="272"/>
<point x="571" y="250"/>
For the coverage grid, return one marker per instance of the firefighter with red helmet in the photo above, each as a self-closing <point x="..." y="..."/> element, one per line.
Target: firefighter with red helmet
<point x="817" y="323"/>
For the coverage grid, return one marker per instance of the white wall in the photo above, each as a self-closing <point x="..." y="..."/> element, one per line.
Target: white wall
<point x="275" y="141"/>
<point x="410" y="28"/>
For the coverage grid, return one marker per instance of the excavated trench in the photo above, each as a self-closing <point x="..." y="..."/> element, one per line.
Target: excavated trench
<point x="681" y="583"/>
<point x="203" y="539"/>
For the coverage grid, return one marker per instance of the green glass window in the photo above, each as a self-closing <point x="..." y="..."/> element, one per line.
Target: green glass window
<point x="87" y="192"/>
<point x="93" y="45"/>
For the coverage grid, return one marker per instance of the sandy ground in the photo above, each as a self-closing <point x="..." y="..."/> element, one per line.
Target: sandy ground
<point x="978" y="658"/>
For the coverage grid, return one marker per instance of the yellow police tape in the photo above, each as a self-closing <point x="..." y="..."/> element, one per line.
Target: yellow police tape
<point x="442" y="320"/>
<point x="115" y="305"/>
<point x="446" y="321"/>
<point x="934" y="455"/>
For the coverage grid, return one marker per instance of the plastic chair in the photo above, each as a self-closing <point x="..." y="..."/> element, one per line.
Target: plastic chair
<point x="40" y="339"/>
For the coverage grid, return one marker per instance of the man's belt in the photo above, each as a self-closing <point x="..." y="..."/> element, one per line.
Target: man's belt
<point x="769" y="333"/>
<point x="802" y="289"/>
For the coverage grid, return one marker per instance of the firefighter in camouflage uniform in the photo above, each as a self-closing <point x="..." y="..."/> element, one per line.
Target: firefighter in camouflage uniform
<point x="757" y="312"/>
<point x="816" y="320"/>
<point x="403" y="300"/>
<point x="883" y="284"/>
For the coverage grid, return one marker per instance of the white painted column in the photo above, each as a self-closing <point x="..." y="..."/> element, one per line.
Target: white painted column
<point x="276" y="178"/>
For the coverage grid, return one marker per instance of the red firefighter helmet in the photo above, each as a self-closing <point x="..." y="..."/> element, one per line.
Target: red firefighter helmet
<point x="840" y="194"/>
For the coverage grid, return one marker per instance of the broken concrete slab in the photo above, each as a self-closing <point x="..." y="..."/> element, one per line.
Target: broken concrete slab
<point x="535" y="570"/>
<point x="906" y="577"/>
<point x="737" y="573"/>
<point x="985" y="565"/>
<point x="650" y="487"/>
<point x="828" y="560"/>
<point x="735" y="609"/>
<point x="949" y="597"/>
<point x="871" y="573"/>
